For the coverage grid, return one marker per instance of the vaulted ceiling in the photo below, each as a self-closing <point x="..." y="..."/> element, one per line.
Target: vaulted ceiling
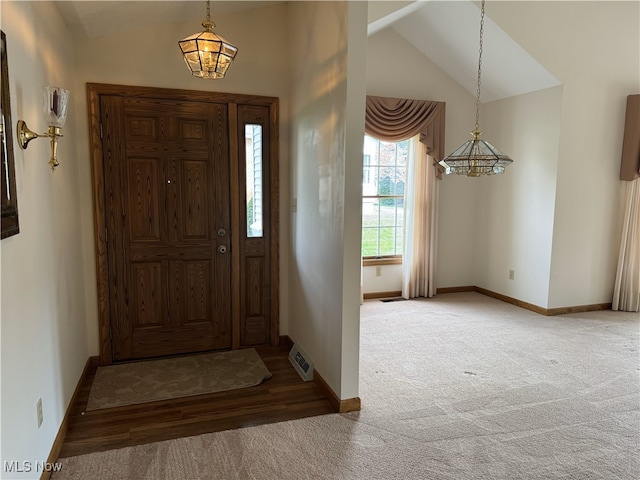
<point x="446" y="32"/>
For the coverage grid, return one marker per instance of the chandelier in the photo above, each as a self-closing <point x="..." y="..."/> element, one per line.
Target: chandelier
<point x="206" y="54"/>
<point x="476" y="157"/>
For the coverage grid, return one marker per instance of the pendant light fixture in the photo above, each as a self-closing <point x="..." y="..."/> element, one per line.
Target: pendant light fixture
<point x="207" y="55"/>
<point x="476" y="157"/>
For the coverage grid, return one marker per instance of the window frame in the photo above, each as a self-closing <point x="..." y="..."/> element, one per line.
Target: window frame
<point x="385" y="260"/>
<point x="394" y="259"/>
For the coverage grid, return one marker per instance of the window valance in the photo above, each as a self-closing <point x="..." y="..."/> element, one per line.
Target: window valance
<point x="397" y="119"/>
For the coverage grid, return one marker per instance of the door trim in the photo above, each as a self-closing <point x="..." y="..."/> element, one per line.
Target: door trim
<point x="94" y="91"/>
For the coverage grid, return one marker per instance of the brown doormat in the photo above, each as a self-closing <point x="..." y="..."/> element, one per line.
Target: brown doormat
<point x="149" y="381"/>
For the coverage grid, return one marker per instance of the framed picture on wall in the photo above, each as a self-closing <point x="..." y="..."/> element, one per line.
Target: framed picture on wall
<point x="9" y="197"/>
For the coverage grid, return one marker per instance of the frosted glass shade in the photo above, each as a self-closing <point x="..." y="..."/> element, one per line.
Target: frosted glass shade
<point x="56" y="100"/>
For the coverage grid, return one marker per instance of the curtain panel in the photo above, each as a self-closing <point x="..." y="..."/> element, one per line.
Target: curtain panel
<point x="395" y="120"/>
<point x="421" y="225"/>
<point x="626" y="291"/>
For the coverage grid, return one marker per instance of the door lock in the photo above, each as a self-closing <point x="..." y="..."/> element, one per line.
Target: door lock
<point x="222" y="232"/>
<point x="222" y="249"/>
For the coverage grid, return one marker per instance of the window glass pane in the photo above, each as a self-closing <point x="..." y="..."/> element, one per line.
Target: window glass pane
<point x="383" y="188"/>
<point x="253" y="177"/>
<point x="368" y="180"/>
<point x="399" y="239"/>
<point x="370" y="212"/>
<point x="400" y="173"/>
<point x="388" y="212"/>
<point x="387" y="243"/>
<point x="370" y="242"/>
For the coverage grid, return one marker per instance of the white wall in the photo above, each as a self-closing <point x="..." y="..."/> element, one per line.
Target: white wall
<point x="389" y="280"/>
<point x="593" y="48"/>
<point x="516" y="210"/>
<point x="142" y="57"/>
<point x="354" y="135"/>
<point x="43" y="344"/>
<point x="327" y="111"/>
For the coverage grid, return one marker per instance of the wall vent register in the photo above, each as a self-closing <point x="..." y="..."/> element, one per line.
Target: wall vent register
<point x="301" y="362"/>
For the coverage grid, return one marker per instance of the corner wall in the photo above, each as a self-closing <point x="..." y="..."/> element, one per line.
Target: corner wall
<point x="43" y="336"/>
<point x="593" y="48"/>
<point x="327" y="112"/>
<point x="516" y="210"/>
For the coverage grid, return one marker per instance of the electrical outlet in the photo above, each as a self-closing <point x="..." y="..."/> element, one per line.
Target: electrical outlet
<point x="512" y="274"/>
<point x="39" y="412"/>
<point x="378" y="271"/>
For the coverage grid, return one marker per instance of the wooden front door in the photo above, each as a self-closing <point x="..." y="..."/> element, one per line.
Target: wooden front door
<point x="186" y="220"/>
<point x="168" y="224"/>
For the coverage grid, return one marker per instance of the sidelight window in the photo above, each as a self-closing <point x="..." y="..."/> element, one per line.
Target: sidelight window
<point x="253" y="178"/>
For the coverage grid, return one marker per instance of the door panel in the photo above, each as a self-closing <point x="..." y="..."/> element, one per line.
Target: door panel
<point x="198" y="291"/>
<point x="169" y="282"/>
<point x="143" y="182"/>
<point x="196" y="211"/>
<point x="147" y="294"/>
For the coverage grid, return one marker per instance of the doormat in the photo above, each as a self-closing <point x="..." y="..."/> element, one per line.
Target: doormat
<point x="153" y="380"/>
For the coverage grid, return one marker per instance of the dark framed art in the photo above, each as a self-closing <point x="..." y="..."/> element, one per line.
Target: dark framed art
<point x="9" y="197"/>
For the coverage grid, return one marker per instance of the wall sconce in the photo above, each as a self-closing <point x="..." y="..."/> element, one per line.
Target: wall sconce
<point x="56" y="100"/>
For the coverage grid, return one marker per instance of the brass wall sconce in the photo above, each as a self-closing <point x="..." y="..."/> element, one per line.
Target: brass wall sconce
<point x="56" y="100"/>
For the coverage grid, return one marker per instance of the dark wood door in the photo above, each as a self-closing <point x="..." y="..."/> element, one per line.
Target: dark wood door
<point x="167" y="208"/>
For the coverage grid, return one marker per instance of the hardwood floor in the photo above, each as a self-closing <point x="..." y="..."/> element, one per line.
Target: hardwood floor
<point x="283" y="397"/>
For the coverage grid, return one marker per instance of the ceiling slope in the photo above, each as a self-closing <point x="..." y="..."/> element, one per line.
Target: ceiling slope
<point x="447" y="32"/>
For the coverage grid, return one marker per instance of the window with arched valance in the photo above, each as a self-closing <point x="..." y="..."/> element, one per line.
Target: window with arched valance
<point x="395" y="120"/>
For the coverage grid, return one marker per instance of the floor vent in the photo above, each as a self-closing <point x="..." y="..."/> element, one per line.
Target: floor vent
<point x="392" y="299"/>
<point x="301" y="362"/>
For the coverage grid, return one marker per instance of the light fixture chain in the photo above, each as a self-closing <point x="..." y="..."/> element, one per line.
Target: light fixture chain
<point x="208" y="10"/>
<point x="480" y="66"/>
<point x="476" y="157"/>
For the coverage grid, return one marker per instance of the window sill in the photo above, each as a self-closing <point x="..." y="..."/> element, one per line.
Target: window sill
<point x="371" y="261"/>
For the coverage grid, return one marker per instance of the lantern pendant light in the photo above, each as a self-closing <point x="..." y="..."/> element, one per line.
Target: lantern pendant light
<point x="206" y="54"/>
<point x="476" y="157"/>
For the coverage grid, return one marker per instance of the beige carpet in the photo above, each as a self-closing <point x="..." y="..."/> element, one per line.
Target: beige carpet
<point x="141" y="382"/>
<point x="459" y="387"/>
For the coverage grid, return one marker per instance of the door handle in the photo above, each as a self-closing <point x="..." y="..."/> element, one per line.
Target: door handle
<point x="222" y="249"/>
<point x="222" y="232"/>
